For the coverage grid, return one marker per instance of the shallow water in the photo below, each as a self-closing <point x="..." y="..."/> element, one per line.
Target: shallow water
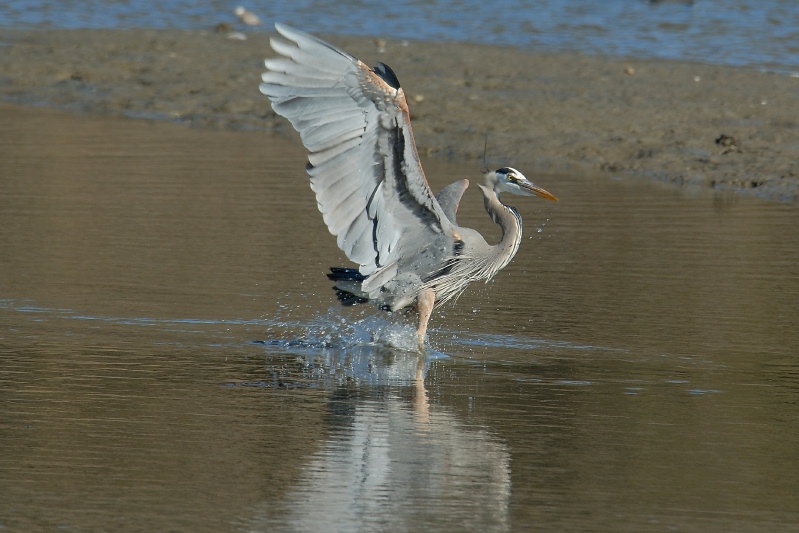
<point x="172" y="357"/>
<point x="757" y="33"/>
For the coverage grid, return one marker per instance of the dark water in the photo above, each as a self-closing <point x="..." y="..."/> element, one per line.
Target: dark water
<point x="758" y="33"/>
<point x="172" y="358"/>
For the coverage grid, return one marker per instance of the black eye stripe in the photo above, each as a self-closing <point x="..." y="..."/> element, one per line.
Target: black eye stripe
<point x="512" y="175"/>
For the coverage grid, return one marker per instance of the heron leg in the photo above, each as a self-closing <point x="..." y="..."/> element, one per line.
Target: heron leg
<point x="424" y="303"/>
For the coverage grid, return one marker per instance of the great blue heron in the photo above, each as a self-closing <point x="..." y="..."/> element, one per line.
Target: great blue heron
<point x="370" y="186"/>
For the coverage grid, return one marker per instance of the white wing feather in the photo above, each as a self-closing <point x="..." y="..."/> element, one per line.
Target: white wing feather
<point x="369" y="185"/>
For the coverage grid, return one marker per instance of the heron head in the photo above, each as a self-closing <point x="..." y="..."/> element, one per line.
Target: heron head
<point x="507" y="179"/>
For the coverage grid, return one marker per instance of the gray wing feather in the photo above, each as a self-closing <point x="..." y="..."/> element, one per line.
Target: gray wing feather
<point x="369" y="185"/>
<point x="318" y="159"/>
<point x="292" y="68"/>
<point x="322" y="136"/>
<point x="450" y="197"/>
<point x="309" y="50"/>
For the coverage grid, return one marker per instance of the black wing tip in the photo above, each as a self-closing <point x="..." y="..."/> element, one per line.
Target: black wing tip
<point x="347" y="299"/>
<point x="387" y="75"/>
<point x="345" y="274"/>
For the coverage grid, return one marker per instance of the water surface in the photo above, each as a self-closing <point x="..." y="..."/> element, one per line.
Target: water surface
<point x="172" y="356"/>
<point x="757" y="33"/>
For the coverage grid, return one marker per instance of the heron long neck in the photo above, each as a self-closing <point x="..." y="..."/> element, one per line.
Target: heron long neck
<point x="510" y="222"/>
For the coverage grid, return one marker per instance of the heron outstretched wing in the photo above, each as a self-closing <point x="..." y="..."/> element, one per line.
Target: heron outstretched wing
<point x="364" y="168"/>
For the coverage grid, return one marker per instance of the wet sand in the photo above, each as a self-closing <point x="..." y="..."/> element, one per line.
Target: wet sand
<point x="685" y="123"/>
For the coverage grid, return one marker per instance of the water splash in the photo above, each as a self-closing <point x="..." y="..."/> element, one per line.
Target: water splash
<point x="335" y="348"/>
<point x="341" y="345"/>
<point x="338" y="329"/>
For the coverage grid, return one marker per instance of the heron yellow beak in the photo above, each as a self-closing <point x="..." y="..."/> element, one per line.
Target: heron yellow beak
<point x="539" y="191"/>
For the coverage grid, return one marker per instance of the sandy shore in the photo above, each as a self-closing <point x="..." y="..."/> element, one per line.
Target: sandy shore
<point x="686" y="123"/>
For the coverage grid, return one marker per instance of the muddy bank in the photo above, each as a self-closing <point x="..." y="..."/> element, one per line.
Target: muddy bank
<point x="685" y="123"/>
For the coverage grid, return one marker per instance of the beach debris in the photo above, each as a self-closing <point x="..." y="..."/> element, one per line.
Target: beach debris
<point x="247" y="17"/>
<point x="227" y="29"/>
<point x="728" y="144"/>
<point x="629" y="70"/>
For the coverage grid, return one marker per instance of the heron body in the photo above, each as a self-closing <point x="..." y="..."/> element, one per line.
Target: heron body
<point x="370" y="186"/>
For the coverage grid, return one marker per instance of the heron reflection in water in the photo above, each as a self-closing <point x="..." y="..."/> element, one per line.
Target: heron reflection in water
<point x="370" y="186"/>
